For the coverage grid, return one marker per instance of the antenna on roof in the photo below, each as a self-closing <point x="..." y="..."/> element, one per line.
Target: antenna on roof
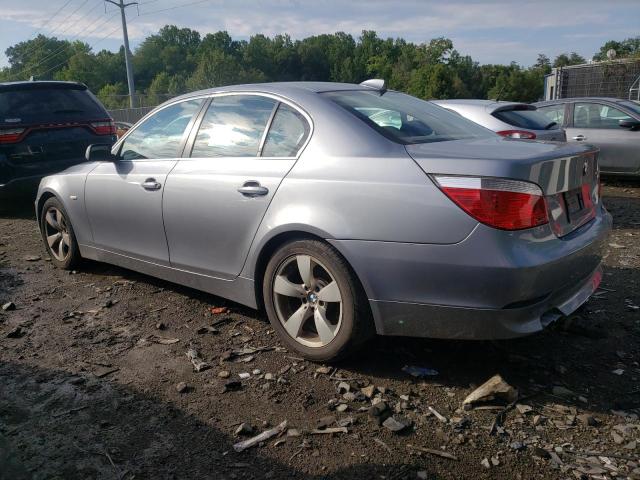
<point x="375" y="83"/>
<point x="500" y="93"/>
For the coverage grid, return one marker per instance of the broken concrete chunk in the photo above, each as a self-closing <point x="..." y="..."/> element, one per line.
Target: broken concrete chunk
<point x="397" y="423"/>
<point x="198" y="364"/>
<point x="493" y="389"/>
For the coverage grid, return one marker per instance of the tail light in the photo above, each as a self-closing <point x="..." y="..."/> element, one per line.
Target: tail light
<point x="498" y="202"/>
<point x="517" y="134"/>
<point x="104" y="128"/>
<point x="11" y="135"/>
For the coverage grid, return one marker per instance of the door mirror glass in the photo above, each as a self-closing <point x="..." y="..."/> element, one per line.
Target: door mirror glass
<point x="630" y="124"/>
<point x="99" y="152"/>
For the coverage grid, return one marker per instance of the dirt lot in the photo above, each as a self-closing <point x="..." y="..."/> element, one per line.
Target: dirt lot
<point x="90" y="362"/>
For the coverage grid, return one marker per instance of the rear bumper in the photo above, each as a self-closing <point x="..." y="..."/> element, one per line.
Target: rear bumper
<point x="493" y="284"/>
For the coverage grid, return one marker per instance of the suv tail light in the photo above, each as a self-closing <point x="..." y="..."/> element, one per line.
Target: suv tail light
<point x="104" y="128"/>
<point x="517" y="134"/>
<point x="11" y="135"/>
<point x="498" y="202"/>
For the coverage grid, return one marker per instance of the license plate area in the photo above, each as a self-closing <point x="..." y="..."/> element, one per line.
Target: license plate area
<point x="575" y="203"/>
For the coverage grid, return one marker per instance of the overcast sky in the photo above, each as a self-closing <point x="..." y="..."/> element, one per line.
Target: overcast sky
<point x="497" y="31"/>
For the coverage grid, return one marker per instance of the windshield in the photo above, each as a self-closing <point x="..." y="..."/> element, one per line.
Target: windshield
<point x="531" y="119"/>
<point x="406" y="119"/>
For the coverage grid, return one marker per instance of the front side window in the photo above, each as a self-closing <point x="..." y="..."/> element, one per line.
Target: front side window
<point x="233" y="126"/>
<point x="287" y="134"/>
<point x="160" y="135"/>
<point x="555" y="113"/>
<point x="597" y="115"/>
<point x="406" y="119"/>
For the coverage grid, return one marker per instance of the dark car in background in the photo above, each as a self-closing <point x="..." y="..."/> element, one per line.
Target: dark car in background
<point x="611" y="124"/>
<point x="45" y="127"/>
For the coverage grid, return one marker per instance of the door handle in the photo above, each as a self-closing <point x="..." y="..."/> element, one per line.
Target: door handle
<point x="579" y="138"/>
<point x="252" y="188"/>
<point x="151" y="184"/>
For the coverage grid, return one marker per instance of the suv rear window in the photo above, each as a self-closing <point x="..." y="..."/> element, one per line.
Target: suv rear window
<point x="25" y="105"/>
<point x="406" y="119"/>
<point x="530" y="119"/>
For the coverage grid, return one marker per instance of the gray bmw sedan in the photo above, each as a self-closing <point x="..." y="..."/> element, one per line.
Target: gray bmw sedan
<point x="342" y="210"/>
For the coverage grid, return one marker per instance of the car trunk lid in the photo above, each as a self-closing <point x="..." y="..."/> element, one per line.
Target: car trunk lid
<point x="567" y="175"/>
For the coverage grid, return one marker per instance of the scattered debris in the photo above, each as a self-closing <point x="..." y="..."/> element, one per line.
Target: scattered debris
<point x="244" y="429"/>
<point x="323" y="370"/>
<point x="397" y="423"/>
<point x="330" y="430"/>
<point x="420" y="372"/>
<point x="266" y="435"/>
<point x="161" y="326"/>
<point x="493" y="389"/>
<point x="164" y="341"/>
<point x="218" y="310"/>
<point x="182" y="387"/>
<point x="485" y="463"/>
<point x="223" y="374"/>
<point x="431" y="451"/>
<point x="198" y="364"/>
<point x="31" y="258"/>
<point x="440" y="417"/>
<point x="368" y="391"/>
<point x="244" y="375"/>
<point x="207" y="329"/>
<point x="8" y="306"/>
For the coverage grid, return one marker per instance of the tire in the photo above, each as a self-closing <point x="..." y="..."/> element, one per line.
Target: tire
<point x="54" y="222"/>
<point x="341" y="310"/>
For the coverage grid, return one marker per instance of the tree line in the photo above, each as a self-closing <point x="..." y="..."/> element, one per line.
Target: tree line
<point x="177" y="60"/>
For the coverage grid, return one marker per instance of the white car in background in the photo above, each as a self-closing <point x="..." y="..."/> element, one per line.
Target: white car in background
<point x="509" y="119"/>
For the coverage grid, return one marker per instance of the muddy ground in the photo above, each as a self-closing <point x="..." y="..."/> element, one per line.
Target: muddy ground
<point x="89" y="375"/>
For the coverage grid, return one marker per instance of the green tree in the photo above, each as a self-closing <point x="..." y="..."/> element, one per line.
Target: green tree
<point x="564" y="60"/>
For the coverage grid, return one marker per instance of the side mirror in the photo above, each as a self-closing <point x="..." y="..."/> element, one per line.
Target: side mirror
<point x="630" y="124"/>
<point x="99" y="152"/>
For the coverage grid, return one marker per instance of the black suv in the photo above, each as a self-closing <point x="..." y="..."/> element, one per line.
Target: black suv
<point x="46" y="127"/>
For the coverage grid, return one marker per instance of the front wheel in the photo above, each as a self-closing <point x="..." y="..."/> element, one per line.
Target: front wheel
<point x="58" y="236"/>
<point x="314" y="301"/>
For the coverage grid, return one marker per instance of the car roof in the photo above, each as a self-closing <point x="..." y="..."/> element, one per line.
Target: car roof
<point x="24" y="84"/>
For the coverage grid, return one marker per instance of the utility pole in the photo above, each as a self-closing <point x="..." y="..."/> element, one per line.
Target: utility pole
<point x="127" y="53"/>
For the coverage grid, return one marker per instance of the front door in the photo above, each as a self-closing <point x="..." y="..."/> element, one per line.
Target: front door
<point x="598" y="124"/>
<point x="124" y="197"/>
<point x="214" y="200"/>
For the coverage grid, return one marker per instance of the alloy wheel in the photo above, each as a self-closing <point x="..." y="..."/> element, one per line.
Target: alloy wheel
<point x="57" y="234"/>
<point x="307" y="300"/>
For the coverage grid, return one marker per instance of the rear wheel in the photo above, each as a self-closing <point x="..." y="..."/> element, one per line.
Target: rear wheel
<point x="314" y="301"/>
<point x="58" y="236"/>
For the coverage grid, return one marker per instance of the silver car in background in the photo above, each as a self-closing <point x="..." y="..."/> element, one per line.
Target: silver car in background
<point x="509" y="119"/>
<point x="343" y="210"/>
<point x="611" y="124"/>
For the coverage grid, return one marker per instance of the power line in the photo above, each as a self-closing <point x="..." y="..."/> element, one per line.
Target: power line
<point x="35" y="34"/>
<point x="173" y="8"/>
<point x="51" y="32"/>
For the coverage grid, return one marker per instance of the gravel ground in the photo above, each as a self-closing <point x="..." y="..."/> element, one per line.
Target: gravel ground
<point x="95" y="383"/>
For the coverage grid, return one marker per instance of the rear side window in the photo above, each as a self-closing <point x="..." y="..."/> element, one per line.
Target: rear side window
<point x="287" y="134"/>
<point x="530" y="119"/>
<point x="597" y="115"/>
<point x="233" y="126"/>
<point x="160" y="135"/>
<point x="24" y="106"/>
<point x="406" y="119"/>
<point x="555" y="113"/>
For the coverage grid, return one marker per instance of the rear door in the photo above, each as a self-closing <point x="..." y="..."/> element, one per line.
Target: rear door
<point x="597" y="124"/>
<point x="46" y="127"/>
<point x="214" y="200"/>
<point x="124" y="197"/>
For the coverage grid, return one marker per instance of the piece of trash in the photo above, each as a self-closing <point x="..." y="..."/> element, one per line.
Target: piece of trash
<point x="485" y="463"/>
<point x="343" y="387"/>
<point x="440" y="417"/>
<point x="397" y="423"/>
<point x="8" y="306"/>
<point x="243" y="429"/>
<point x="244" y="375"/>
<point x="182" y="387"/>
<point x="318" y="431"/>
<point x="432" y="451"/>
<point x="207" y="329"/>
<point x="368" y="391"/>
<point x="617" y="245"/>
<point x="522" y="408"/>
<point x="493" y="389"/>
<point x="164" y="341"/>
<point x="420" y="372"/>
<point x="266" y="435"/>
<point x="323" y="370"/>
<point x="198" y="364"/>
<point x="218" y="310"/>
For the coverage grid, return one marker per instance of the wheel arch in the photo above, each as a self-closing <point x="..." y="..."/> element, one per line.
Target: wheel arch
<point x="281" y="238"/>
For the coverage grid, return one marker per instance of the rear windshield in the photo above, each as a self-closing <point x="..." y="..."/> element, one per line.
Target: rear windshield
<point x="44" y="104"/>
<point x="406" y="119"/>
<point x="531" y="119"/>
<point x="631" y="105"/>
